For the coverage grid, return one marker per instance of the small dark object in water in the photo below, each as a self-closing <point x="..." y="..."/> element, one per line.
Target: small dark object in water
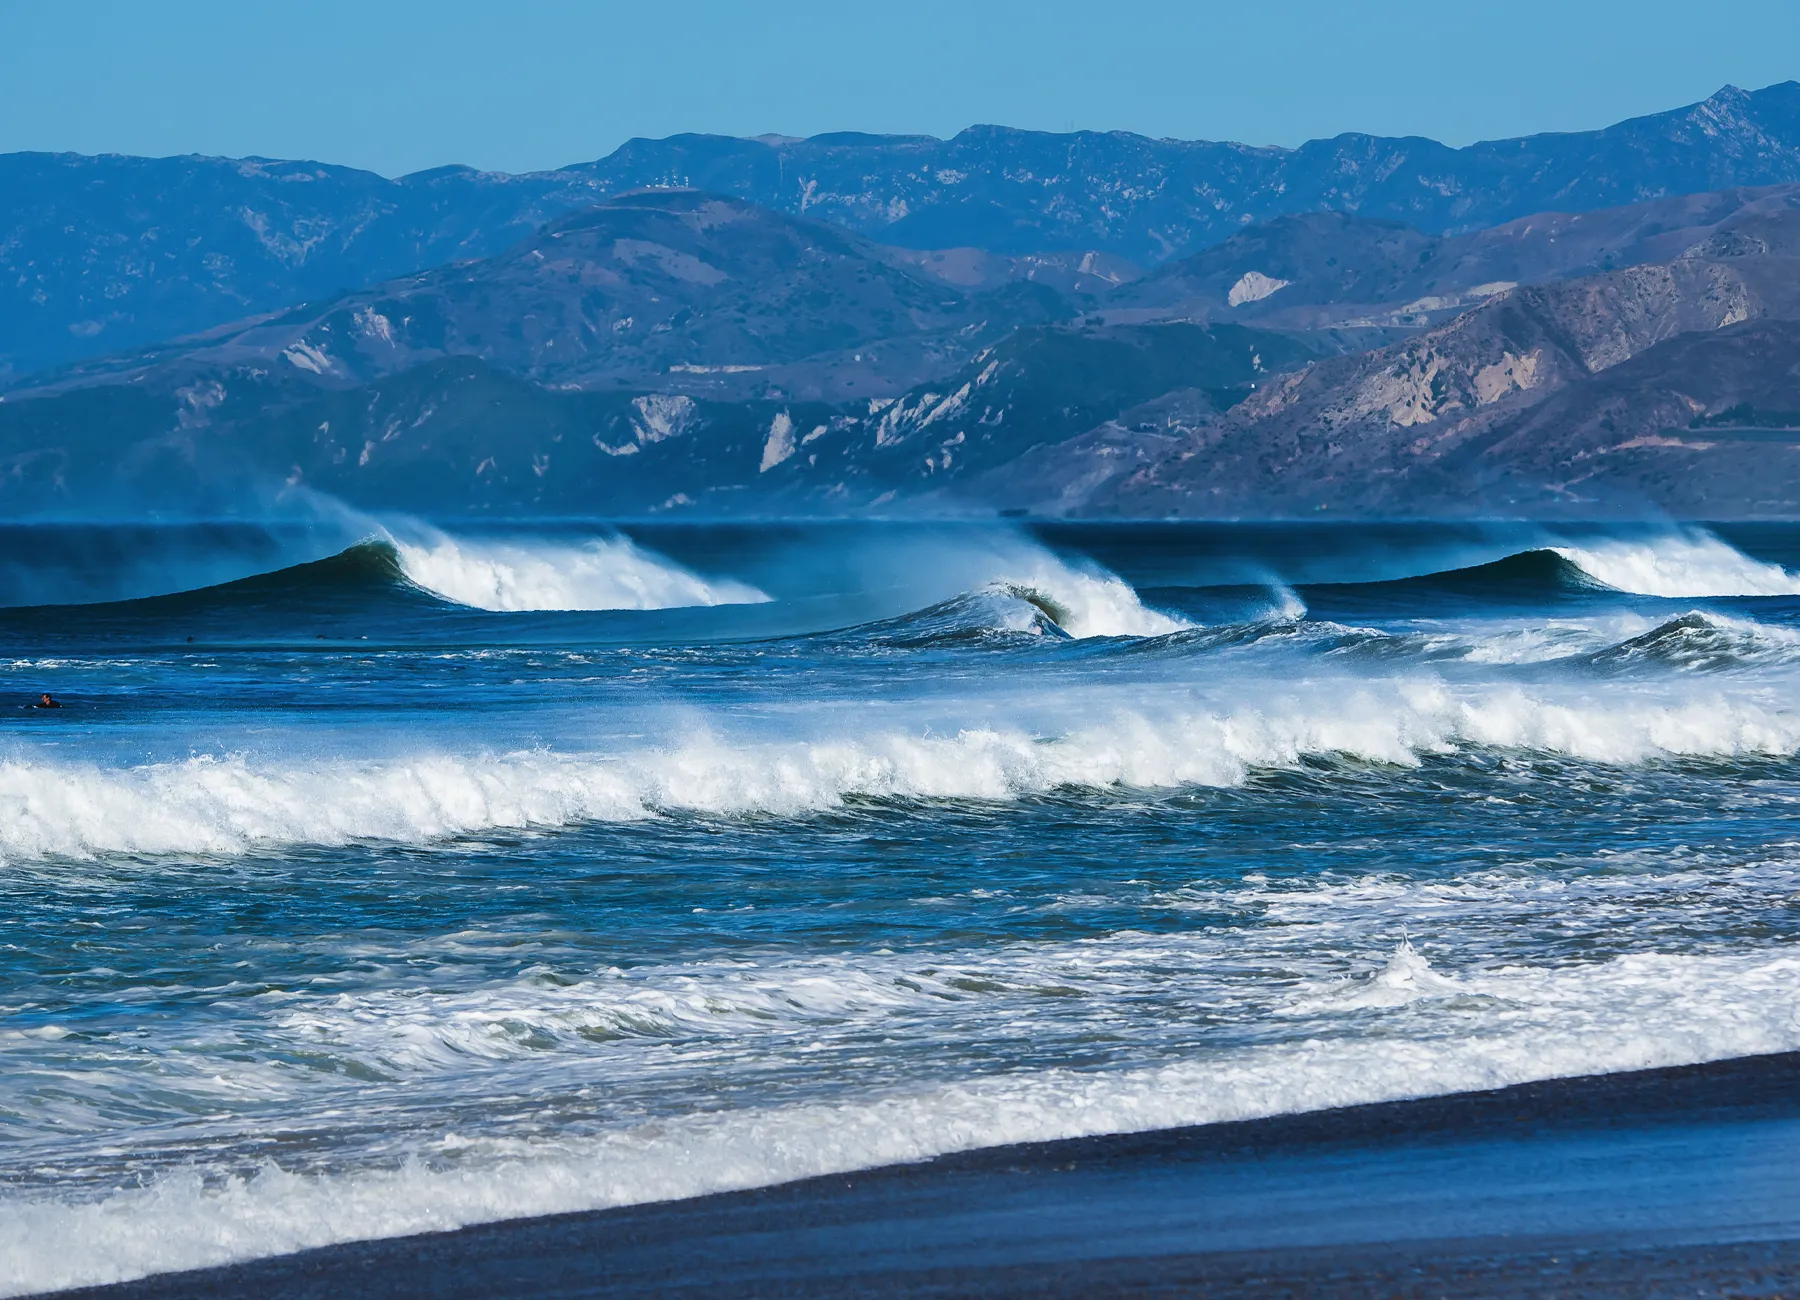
<point x="47" y="701"/>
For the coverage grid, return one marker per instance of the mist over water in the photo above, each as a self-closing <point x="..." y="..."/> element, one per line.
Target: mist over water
<point x="380" y="877"/>
<point x="605" y="573"/>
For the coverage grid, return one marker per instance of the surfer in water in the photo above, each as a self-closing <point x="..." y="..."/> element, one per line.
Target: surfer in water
<point x="47" y="701"/>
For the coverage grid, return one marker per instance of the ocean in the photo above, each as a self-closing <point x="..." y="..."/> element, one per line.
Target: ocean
<point x="378" y="877"/>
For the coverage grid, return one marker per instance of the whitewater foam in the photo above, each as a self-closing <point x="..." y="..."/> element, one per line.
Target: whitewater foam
<point x="1406" y="978"/>
<point x="1085" y="604"/>
<point x="1630" y="1013"/>
<point x="519" y="575"/>
<point x="1688" y="564"/>
<point x="234" y="804"/>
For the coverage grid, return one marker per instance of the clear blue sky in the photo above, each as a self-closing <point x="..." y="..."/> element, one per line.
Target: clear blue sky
<point x="399" y="85"/>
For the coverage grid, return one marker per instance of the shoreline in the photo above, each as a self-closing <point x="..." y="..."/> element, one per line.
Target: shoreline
<point x="1684" y="1180"/>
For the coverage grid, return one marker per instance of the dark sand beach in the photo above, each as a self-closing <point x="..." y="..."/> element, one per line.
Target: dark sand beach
<point x="1669" y="1182"/>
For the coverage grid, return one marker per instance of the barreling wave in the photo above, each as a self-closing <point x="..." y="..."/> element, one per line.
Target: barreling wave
<point x="225" y="806"/>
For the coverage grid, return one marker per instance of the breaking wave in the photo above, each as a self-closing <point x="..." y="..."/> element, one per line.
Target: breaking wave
<point x="516" y="576"/>
<point x="1681" y="566"/>
<point x="1036" y="595"/>
<point x="1677" y="566"/>
<point x="508" y="577"/>
<point x="232" y="805"/>
<point x="1085" y="604"/>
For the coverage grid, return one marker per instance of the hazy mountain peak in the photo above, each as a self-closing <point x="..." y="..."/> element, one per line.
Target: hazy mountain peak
<point x="104" y="254"/>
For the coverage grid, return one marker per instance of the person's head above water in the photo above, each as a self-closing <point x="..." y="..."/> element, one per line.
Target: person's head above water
<point x="48" y="701"/>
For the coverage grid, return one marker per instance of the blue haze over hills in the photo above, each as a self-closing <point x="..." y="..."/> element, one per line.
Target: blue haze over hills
<point x="944" y="288"/>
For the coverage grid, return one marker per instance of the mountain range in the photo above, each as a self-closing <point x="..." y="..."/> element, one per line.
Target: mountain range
<point x="1588" y="323"/>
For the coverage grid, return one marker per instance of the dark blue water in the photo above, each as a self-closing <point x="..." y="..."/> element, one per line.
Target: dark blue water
<point x="403" y="883"/>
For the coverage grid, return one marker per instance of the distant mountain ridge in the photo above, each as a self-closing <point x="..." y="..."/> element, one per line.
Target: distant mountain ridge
<point x="1149" y="200"/>
<point x="1671" y="385"/>
<point x="677" y="290"/>
<point x="102" y="254"/>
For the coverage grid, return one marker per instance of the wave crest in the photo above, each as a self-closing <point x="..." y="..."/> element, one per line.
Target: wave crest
<point x="517" y="576"/>
<point x="233" y="805"/>
<point x="1680" y="566"/>
<point x="1697" y="642"/>
<point x="1086" y="604"/>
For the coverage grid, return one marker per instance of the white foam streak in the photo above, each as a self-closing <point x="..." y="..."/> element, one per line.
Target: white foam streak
<point x="604" y="573"/>
<point x="1406" y="978"/>
<point x="230" y="805"/>
<point x="222" y="806"/>
<point x="1682" y="565"/>
<point x="1631" y="1013"/>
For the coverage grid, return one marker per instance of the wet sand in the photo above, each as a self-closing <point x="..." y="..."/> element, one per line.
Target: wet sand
<point x="1662" y="1182"/>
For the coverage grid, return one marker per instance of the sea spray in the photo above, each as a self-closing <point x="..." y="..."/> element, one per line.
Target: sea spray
<point x="235" y="803"/>
<point x="1680" y="565"/>
<point x="518" y="575"/>
<point x="312" y="937"/>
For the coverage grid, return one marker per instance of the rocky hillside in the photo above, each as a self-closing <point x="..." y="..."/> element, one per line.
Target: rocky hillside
<point x="674" y="351"/>
<point x="101" y="255"/>
<point x="1566" y="397"/>
<point x="1332" y="270"/>
<point x="673" y="290"/>
<point x="455" y="435"/>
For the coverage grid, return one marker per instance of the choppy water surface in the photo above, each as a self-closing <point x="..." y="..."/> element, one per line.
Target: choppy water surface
<point x="427" y="878"/>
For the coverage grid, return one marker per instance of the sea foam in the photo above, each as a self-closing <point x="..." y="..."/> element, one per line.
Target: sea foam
<point x="1633" y="1012"/>
<point x="1084" y="603"/>
<point x="59" y="808"/>
<point x="519" y="575"/>
<point x="1687" y="564"/>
